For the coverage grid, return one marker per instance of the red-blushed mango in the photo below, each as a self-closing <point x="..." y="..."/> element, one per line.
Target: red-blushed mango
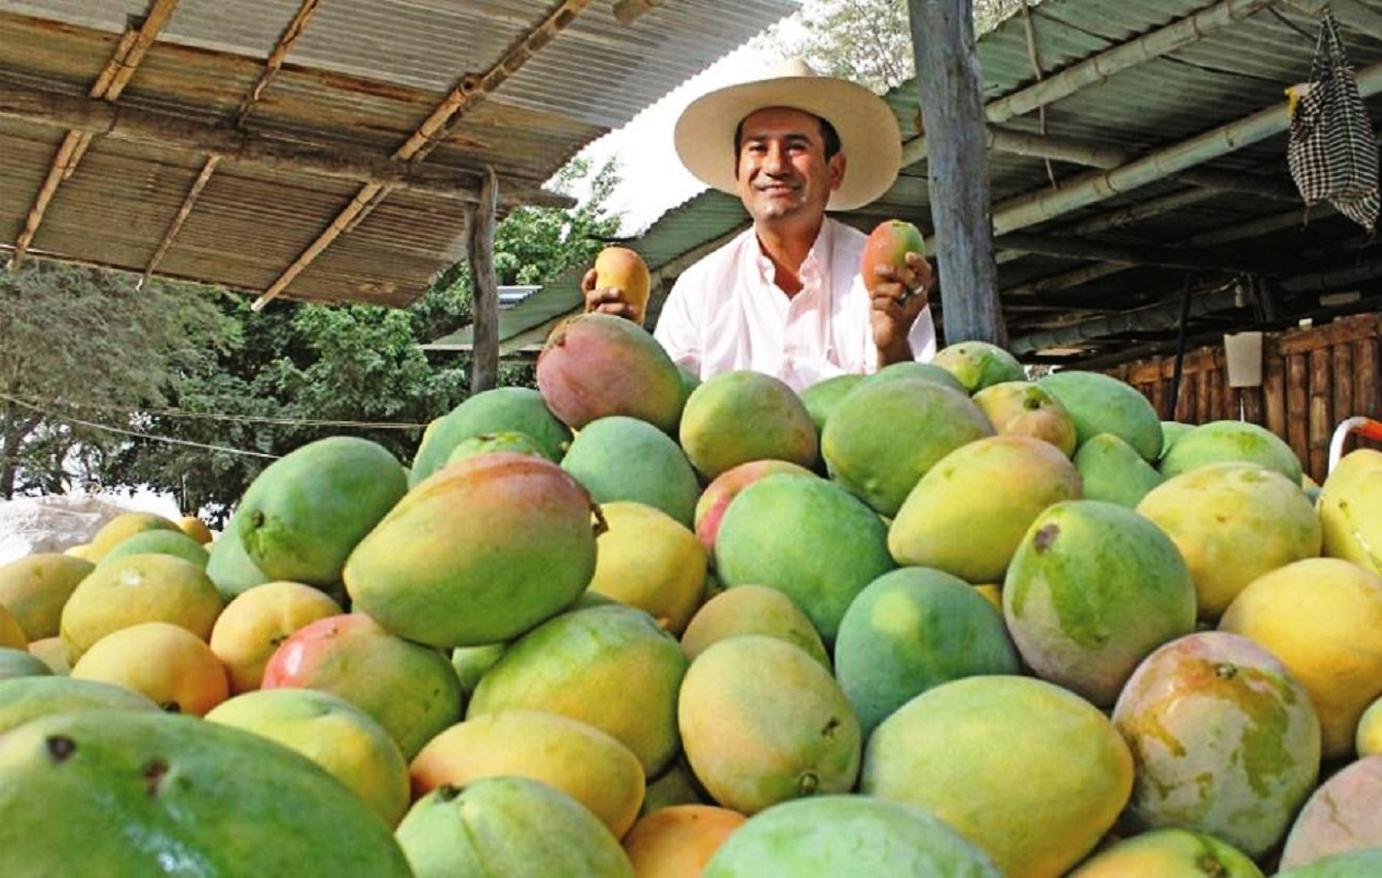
<point x="1232" y="522"/>
<point x="509" y="826"/>
<point x="597" y="365"/>
<point x="29" y="698"/>
<point x="35" y="587"/>
<point x="650" y="561"/>
<point x="1230" y="441"/>
<point x="807" y="537"/>
<point x="741" y="416"/>
<point x="623" y="269"/>
<point x="911" y="630"/>
<point x="254" y="624"/>
<point x="886" y="435"/>
<point x="333" y="733"/>
<point x="135" y="589"/>
<point x="171" y="666"/>
<point x="1101" y="404"/>
<point x="714" y="500"/>
<point x="847" y="837"/>
<point x="821" y="398"/>
<point x="523" y="550"/>
<point x="956" y="519"/>
<point x="1030" y="773"/>
<point x="1226" y="740"/>
<point x="678" y="841"/>
<point x="578" y="759"/>
<point x="499" y="410"/>
<point x="752" y="609"/>
<point x="888" y="245"/>
<point x="1114" y="472"/>
<point x="1092" y="590"/>
<point x="1323" y="618"/>
<point x="301" y="517"/>
<point x="619" y="458"/>
<point x="121" y="528"/>
<point x="610" y="666"/>
<point x="762" y="722"/>
<point x="978" y="365"/>
<point x="1169" y="853"/>
<point x="410" y="690"/>
<point x="1021" y="408"/>
<point x="1344" y="814"/>
<point x="1349" y="510"/>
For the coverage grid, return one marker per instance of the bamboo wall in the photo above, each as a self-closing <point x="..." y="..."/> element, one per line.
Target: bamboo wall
<point x="1311" y="380"/>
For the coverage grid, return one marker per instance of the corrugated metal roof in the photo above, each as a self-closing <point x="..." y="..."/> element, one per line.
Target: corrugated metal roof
<point x="364" y="72"/>
<point x="1224" y="76"/>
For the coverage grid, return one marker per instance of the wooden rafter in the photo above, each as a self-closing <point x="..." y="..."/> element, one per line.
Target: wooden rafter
<point x="432" y="132"/>
<point x="109" y="85"/>
<point x="277" y="55"/>
<point x="180" y="128"/>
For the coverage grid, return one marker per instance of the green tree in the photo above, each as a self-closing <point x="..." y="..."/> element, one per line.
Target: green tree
<point x="865" y="41"/>
<point x="300" y="372"/>
<point x="81" y="344"/>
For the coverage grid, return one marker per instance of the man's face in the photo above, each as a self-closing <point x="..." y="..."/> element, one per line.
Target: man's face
<point x="782" y="170"/>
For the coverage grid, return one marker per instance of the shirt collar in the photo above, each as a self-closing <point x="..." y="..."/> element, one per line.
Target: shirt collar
<point x="812" y="268"/>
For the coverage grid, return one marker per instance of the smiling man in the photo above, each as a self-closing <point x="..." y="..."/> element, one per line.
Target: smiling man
<point x="785" y="297"/>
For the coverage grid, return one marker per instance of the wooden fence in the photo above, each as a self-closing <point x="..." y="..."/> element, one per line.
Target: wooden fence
<point x="1311" y="380"/>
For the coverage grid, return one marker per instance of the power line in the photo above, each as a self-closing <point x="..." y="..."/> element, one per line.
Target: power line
<point x="214" y="416"/>
<point x="149" y="436"/>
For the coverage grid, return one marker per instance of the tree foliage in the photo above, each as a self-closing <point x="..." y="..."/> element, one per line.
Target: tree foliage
<point x="865" y="41"/>
<point x="81" y="344"/>
<point x="297" y="366"/>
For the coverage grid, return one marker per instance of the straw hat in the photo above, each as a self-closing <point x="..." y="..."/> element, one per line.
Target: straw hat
<point x="869" y="134"/>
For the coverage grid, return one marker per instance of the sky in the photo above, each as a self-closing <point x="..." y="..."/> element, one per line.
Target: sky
<point x="652" y="179"/>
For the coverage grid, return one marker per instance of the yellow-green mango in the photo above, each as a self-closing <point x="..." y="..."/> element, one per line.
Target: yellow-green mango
<point x="499" y="410"/>
<point x="739" y="416"/>
<point x="35" y="587"/>
<point x="1350" y="511"/>
<point x="1169" y="853"/>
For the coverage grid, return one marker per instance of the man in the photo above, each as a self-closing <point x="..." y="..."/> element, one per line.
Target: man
<point x="786" y="297"/>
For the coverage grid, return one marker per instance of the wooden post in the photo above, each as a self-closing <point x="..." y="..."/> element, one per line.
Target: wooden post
<point x="952" y="108"/>
<point x="484" y="286"/>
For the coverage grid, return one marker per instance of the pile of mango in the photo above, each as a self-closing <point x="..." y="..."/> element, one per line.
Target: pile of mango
<point x="936" y="621"/>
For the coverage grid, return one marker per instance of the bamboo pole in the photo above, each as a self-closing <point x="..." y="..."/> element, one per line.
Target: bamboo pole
<point x="429" y="134"/>
<point x="1098" y="186"/>
<point x="111" y="81"/>
<point x="1147" y="47"/>
<point x="277" y="55"/>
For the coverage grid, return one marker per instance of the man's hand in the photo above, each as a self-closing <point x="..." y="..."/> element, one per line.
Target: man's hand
<point x="895" y="305"/>
<point x="605" y="300"/>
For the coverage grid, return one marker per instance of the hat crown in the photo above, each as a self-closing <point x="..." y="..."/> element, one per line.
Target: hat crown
<point x="792" y="67"/>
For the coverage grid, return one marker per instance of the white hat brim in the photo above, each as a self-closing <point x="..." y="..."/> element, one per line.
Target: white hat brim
<point x="869" y="134"/>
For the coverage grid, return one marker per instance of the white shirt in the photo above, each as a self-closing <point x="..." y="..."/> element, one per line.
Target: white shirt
<point x="725" y="313"/>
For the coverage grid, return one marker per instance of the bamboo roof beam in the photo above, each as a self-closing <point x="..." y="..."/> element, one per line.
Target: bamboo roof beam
<point x="1139" y="254"/>
<point x="1091" y="188"/>
<point x="432" y="132"/>
<point x="277" y="55"/>
<point x="170" y="129"/>
<point x="1147" y="47"/>
<point x="109" y="85"/>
